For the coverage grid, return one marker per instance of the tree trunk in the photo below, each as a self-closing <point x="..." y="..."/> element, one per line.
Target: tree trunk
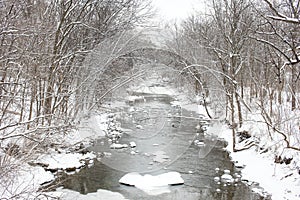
<point x="294" y="85"/>
<point x="240" y="115"/>
<point x="233" y="123"/>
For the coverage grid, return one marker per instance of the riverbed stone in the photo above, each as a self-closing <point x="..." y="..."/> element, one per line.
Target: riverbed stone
<point x="227" y="178"/>
<point x="132" y="144"/>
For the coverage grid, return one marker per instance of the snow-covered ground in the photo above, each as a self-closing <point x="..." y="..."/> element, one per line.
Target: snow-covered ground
<point x="66" y="194"/>
<point x="280" y="180"/>
<point x="24" y="183"/>
<point x="25" y="180"/>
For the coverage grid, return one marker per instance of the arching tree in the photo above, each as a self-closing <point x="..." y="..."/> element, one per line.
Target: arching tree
<point x="42" y="48"/>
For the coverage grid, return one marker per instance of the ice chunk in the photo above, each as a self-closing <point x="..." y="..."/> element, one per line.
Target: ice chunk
<point x="139" y="126"/>
<point x="131" y="179"/>
<point x="132" y="144"/>
<point x="118" y="146"/>
<point x="169" y="178"/>
<point x="152" y="185"/>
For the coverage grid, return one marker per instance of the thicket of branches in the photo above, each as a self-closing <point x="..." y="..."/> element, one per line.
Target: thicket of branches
<point x="249" y="48"/>
<point x="43" y="45"/>
<point x="252" y="49"/>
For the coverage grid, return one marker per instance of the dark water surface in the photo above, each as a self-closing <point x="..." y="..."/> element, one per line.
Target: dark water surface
<point x="152" y="124"/>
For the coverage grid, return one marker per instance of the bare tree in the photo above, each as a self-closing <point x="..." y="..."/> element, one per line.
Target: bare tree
<point x="44" y="44"/>
<point x="280" y="31"/>
<point x="42" y="48"/>
<point x="224" y="34"/>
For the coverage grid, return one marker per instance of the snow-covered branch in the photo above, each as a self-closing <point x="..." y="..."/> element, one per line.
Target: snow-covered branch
<point x="285" y="19"/>
<point x="279" y="16"/>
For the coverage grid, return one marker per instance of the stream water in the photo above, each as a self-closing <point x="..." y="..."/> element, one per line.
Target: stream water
<point x="164" y="142"/>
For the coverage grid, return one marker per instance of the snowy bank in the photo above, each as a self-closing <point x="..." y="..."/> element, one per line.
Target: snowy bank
<point x="149" y="89"/>
<point x="68" y="154"/>
<point x="88" y="129"/>
<point x="25" y="183"/>
<point x="65" y="161"/>
<point x="65" y="194"/>
<point x="280" y="180"/>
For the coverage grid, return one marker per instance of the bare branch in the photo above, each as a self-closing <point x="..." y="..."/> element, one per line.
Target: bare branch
<point x="279" y="16"/>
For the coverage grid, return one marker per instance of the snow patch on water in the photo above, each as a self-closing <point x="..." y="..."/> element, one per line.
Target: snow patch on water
<point x="152" y="185"/>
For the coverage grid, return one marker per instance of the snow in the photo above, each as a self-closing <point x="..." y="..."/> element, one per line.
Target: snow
<point x="199" y="143"/>
<point x="217" y="179"/>
<point x="135" y="98"/>
<point x="25" y="183"/>
<point x="152" y="185"/>
<point x="145" y="89"/>
<point x="260" y="168"/>
<point x="139" y="126"/>
<point x="132" y="144"/>
<point x="199" y="109"/>
<point x="26" y="180"/>
<point x="65" y="160"/>
<point x="65" y="194"/>
<point x="88" y="129"/>
<point x="118" y="146"/>
<point x="280" y="180"/>
<point x="263" y="170"/>
<point x="227" y="178"/>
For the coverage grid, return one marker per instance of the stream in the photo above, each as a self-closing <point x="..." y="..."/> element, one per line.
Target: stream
<point x="166" y="140"/>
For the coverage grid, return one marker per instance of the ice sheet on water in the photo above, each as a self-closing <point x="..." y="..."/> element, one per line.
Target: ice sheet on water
<point x="152" y="185"/>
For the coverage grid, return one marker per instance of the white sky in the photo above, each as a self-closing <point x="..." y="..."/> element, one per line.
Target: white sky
<point x="176" y="9"/>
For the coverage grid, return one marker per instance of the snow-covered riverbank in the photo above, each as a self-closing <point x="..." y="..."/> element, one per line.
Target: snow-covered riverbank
<point x="282" y="181"/>
<point x="27" y="176"/>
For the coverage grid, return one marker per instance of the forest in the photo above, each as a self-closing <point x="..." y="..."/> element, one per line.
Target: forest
<point x="243" y="57"/>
